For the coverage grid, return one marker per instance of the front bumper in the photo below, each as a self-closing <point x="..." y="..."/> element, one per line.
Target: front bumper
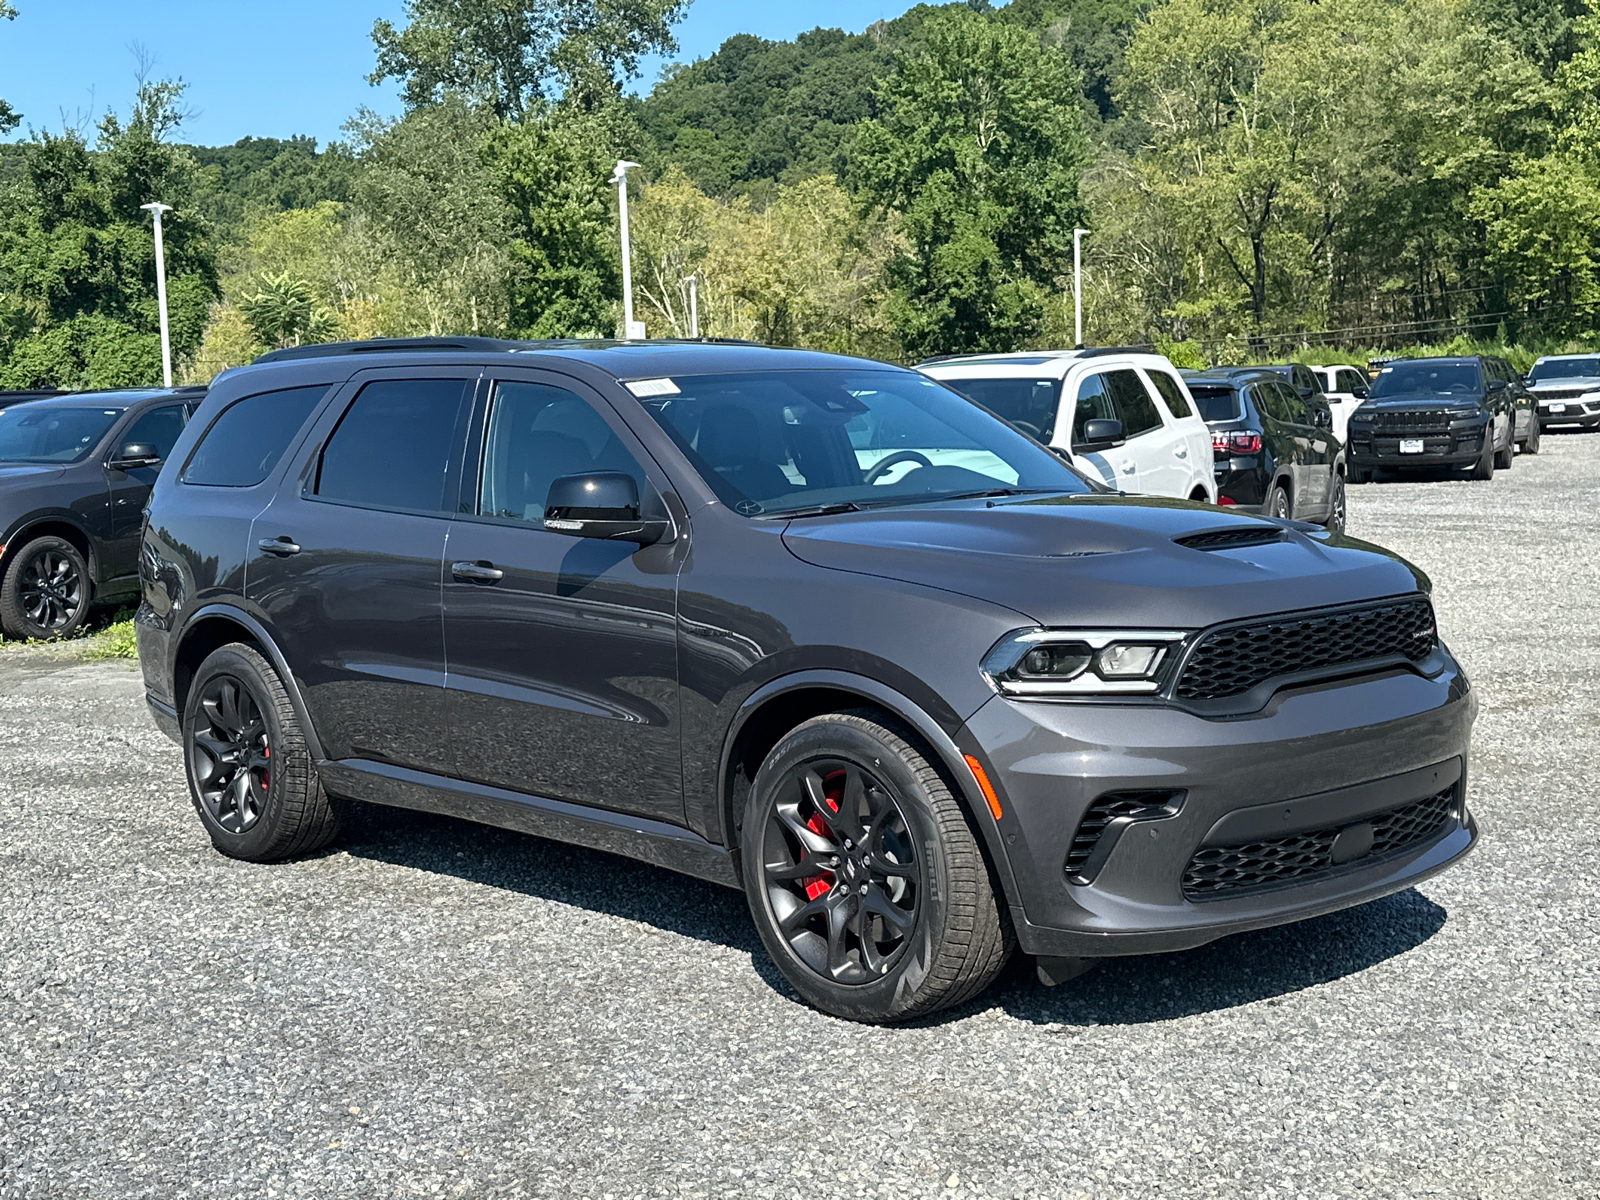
<point x="1454" y="448"/>
<point x="1583" y="410"/>
<point x="1306" y="751"/>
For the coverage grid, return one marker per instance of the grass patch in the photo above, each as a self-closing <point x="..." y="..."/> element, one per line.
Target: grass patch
<point x="116" y="640"/>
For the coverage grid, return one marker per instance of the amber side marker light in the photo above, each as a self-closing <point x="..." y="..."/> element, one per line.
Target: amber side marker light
<point x="984" y="785"/>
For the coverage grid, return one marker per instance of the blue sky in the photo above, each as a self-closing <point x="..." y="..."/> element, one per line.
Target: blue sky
<point x="273" y="68"/>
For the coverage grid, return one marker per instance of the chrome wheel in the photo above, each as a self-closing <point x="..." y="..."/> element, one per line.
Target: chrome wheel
<point x="842" y="879"/>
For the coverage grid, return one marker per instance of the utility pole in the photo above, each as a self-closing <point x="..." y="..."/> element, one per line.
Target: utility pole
<point x="694" y="305"/>
<point x="156" y="210"/>
<point x="631" y="329"/>
<point x="1077" y="286"/>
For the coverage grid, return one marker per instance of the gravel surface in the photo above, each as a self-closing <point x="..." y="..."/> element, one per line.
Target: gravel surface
<point x="442" y="1009"/>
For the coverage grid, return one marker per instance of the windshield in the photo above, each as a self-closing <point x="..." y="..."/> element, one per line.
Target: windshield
<point x="1424" y="376"/>
<point x="1029" y="404"/>
<point x="780" y="441"/>
<point x="1564" y="368"/>
<point x="34" y="434"/>
<point x="1216" y="403"/>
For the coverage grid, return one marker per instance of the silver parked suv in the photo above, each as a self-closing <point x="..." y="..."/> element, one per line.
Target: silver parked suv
<point x="1566" y="390"/>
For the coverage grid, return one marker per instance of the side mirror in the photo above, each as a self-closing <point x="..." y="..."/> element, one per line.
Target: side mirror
<point x="1359" y="392"/>
<point x="600" y="504"/>
<point x="1496" y="385"/>
<point x="134" y="454"/>
<point x="1321" y="417"/>
<point x="1306" y="392"/>
<point x="1101" y="433"/>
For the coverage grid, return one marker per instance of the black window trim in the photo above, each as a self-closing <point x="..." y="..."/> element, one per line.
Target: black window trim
<point x="311" y="465"/>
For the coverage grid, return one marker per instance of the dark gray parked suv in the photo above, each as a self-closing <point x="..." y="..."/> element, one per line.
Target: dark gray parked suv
<point x="806" y="625"/>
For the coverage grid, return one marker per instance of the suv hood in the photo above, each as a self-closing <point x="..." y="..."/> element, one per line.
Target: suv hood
<point x="1105" y="561"/>
<point x="1422" y="400"/>
<point x="1569" y="383"/>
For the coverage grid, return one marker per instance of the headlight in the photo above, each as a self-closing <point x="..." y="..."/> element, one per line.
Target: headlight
<point x="1081" y="662"/>
<point x="1470" y="410"/>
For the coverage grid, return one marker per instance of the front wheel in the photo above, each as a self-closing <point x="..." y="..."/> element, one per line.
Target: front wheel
<point x="1530" y="444"/>
<point x="45" y="592"/>
<point x="865" y="878"/>
<point x="1336" y="506"/>
<point x="1502" y="458"/>
<point x="251" y="778"/>
<point x="1484" y="469"/>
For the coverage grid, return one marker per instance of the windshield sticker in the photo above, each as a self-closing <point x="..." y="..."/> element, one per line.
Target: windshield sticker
<point x="652" y="387"/>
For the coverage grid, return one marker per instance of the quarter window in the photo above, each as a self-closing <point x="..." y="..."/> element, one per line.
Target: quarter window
<point x="536" y="434"/>
<point x="1171" y="394"/>
<point x="1271" y="401"/>
<point x="1135" y="408"/>
<point x="392" y="447"/>
<point x="249" y="437"/>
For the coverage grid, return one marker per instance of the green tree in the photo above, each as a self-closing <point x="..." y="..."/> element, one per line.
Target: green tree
<point x="978" y="156"/>
<point x="509" y="53"/>
<point x="9" y="117"/>
<point x="284" y="311"/>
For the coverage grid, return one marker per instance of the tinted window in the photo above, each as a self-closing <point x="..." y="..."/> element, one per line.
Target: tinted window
<point x="1029" y="404"/>
<point x="1564" y="368"/>
<point x="1301" y="379"/>
<point x="1270" y="401"/>
<point x="392" y="447"/>
<point x="536" y="434"/>
<point x="1292" y="403"/>
<point x="1425" y="376"/>
<point x="1349" y="381"/>
<point x="778" y="440"/>
<point x="34" y="434"/>
<point x="1135" y="408"/>
<point x="246" y="441"/>
<point x="1171" y="393"/>
<point x="1093" y="404"/>
<point x="159" y="427"/>
<point x="1216" y="403"/>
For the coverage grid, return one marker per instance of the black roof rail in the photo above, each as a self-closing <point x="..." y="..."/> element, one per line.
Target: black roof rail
<point x="387" y="345"/>
<point x="1097" y="351"/>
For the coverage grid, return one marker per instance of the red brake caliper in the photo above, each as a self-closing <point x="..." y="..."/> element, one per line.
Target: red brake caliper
<point x="266" y="752"/>
<point x="816" y="885"/>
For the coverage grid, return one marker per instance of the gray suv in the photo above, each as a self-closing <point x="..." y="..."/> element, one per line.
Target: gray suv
<point x="809" y="626"/>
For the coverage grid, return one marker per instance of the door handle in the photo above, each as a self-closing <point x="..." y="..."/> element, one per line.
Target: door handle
<point x="1129" y="468"/>
<point x="1182" y="453"/>
<point x="281" y="545"/>
<point x="476" y="572"/>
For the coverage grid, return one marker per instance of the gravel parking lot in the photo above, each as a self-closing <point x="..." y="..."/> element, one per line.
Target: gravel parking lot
<point x="437" y="1008"/>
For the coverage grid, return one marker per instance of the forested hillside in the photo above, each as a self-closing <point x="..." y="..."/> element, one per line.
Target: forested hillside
<point x="1254" y="177"/>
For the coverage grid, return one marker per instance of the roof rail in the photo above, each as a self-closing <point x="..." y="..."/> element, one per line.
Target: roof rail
<point x="1076" y="351"/>
<point x="386" y="345"/>
<point x="1097" y="351"/>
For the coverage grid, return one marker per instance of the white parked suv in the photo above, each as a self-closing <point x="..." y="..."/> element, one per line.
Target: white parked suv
<point x="1164" y="445"/>
<point x="1346" y="387"/>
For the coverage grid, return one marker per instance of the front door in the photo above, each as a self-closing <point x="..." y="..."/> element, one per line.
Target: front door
<point x="130" y="489"/>
<point x="1117" y="467"/>
<point x="346" y="562"/>
<point x="563" y="678"/>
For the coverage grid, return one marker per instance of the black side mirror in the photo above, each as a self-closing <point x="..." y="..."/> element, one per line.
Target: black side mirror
<point x="1359" y="392"/>
<point x="1321" y="417"/>
<point x="134" y="454"/>
<point x="1305" y="392"/>
<point x="600" y="504"/>
<point x="1101" y="433"/>
<point x="1496" y="385"/>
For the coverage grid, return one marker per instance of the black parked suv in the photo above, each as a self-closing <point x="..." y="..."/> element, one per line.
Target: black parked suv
<point x="1467" y="412"/>
<point x="75" y="471"/>
<point x="669" y="600"/>
<point x="1273" y="452"/>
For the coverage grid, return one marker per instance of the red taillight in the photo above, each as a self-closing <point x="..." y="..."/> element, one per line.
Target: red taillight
<point x="1226" y="500"/>
<point x="1236" y="443"/>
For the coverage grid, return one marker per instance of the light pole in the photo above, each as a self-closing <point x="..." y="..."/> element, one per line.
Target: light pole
<point x="694" y="305"/>
<point x="1077" y="286"/>
<point x="631" y="329"/>
<point x="155" y="210"/>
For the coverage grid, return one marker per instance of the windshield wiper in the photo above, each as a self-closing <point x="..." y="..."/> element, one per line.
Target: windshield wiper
<point x="816" y="510"/>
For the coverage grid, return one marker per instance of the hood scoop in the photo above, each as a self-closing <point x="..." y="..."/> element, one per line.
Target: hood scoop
<point x="1231" y="539"/>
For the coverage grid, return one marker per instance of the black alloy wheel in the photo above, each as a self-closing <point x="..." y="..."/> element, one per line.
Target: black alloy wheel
<point x="46" y="591"/>
<point x="864" y="873"/>
<point x="1502" y="458"/>
<point x="841" y="871"/>
<point x="1483" y="469"/>
<point x="252" y="778"/>
<point x="233" y="755"/>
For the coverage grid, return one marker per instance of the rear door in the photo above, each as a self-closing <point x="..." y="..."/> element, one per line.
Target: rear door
<point x="1192" y="443"/>
<point x="563" y="677"/>
<point x="346" y="563"/>
<point x="1153" y="442"/>
<point x="1312" y="452"/>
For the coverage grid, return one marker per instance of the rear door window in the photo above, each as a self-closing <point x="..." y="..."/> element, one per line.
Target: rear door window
<point x="1135" y="408"/>
<point x="1171" y="394"/>
<point x="1270" y="400"/>
<point x="393" y="446"/>
<point x="249" y="438"/>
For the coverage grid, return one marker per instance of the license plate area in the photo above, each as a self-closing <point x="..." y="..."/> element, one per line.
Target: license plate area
<point x="1556" y="407"/>
<point x="1411" y="446"/>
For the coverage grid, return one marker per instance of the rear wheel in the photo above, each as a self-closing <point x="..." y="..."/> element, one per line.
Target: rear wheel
<point x="250" y="776"/>
<point x="45" y="592"/>
<point x="1503" y="457"/>
<point x="1530" y="444"/>
<point x="864" y="876"/>
<point x="1336" y="506"/>
<point x="1277" y="504"/>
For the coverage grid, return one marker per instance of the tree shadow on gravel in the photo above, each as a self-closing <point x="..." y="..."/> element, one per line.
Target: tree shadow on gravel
<point x="1241" y="969"/>
<point x="575" y="875"/>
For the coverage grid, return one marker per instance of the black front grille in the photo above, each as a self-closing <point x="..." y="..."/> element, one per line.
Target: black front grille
<point x="1410" y="421"/>
<point x="1564" y="393"/>
<point x="1140" y="805"/>
<point x="1222" y="872"/>
<point x="1232" y="660"/>
<point x="1231" y="539"/>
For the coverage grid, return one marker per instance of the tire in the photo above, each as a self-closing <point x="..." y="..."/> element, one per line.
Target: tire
<point x="46" y="591"/>
<point x="1530" y="444"/>
<point x="939" y="933"/>
<point x="1503" y="458"/>
<point x="1277" y="503"/>
<point x="1336" y="507"/>
<point x="1360" y="474"/>
<point x="1484" y="469"/>
<point x="251" y="779"/>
